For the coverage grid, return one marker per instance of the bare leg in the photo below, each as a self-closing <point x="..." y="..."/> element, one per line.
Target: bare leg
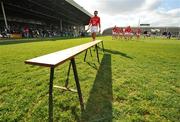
<point x="138" y="36"/>
<point x="94" y="36"/>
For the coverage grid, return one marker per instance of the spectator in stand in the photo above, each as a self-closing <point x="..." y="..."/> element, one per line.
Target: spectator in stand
<point x="26" y="31"/>
<point x="30" y="33"/>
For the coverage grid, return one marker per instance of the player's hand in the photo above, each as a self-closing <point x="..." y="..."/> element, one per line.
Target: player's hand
<point x="87" y="29"/>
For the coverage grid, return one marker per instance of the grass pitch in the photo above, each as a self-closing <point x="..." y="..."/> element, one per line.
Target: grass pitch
<point x="135" y="81"/>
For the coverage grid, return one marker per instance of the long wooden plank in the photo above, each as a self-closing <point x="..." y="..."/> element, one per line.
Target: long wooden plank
<point x="57" y="58"/>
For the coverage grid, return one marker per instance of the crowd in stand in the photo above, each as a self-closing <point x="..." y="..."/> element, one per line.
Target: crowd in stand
<point x="26" y="31"/>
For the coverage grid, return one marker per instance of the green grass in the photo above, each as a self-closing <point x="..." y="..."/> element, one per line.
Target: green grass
<point x="135" y="81"/>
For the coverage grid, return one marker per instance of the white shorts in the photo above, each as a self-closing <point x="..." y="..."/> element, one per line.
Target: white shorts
<point x="128" y="34"/>
<point x="121" y="34"/>
<point x="114" y="33"/>
<point x="94" y="29"/>
<point x="138" y="34"/>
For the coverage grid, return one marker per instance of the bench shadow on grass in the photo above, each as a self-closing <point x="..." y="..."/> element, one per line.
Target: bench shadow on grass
<point x="99" y="104"/>
<point x="117" y="53"/>
<point x="93" y="65"/>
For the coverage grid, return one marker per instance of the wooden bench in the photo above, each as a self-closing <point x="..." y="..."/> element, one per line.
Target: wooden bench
<point x="52" y="60"/>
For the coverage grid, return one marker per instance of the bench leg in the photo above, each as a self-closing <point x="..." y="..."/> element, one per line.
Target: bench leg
<point x="85" y="56"/>
<point x="102" y="45"/>
<point x="67" y="79"/>
<point x="90" y="51"/>
<point x="77" y="83"/>
<point x="51" y="95"/>
<point x="97" y="53"/>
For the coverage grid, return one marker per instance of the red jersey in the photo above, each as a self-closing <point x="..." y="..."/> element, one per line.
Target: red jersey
<point x="118" y="30"/>
<point x="95" y="21"/>
<point x="26" y="29"/>
<point x="114" y="29"/>
<point x="128" y="29"/>
<point x="138" y="31"/>
<point x="121" y="30"/>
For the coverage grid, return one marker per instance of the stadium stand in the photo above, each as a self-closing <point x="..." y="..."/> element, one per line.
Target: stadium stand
<point x="42" y="18"/>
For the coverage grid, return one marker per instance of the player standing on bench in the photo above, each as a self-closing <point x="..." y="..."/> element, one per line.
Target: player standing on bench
<point x="94" y="23"/>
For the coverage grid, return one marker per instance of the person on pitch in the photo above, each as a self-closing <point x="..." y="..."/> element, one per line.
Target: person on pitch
<point x="121" y="33"/>
<point x="138" y="33"/>
<point x="128" y="33"/>
<point x="114" y="32"/>
<point x="94" y="25"/>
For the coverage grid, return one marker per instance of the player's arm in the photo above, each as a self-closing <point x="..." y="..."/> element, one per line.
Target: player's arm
<point x="99" y="25"/>
<point x="89" y="24"/>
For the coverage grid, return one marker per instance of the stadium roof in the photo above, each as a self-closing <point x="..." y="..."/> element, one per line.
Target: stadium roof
<point x="46" y="11"/>
<point x="79" y="7"/>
